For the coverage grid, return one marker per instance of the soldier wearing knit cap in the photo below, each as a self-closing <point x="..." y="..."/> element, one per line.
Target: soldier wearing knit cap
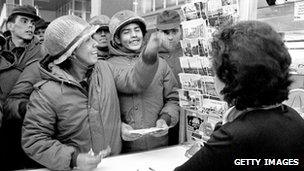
<point x="156" y="106"/>
<point x="41" y="25"/>
<point x="169" y="23"/>
<point x="22" y="49"/>
<point x="102" y="35"/>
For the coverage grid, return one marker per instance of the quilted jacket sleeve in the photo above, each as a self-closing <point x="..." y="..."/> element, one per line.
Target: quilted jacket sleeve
<point x="38" y="131"/>
<point x="170" y="94"/>
<point x="135" y="79"/>
<point x="18" y="98"/>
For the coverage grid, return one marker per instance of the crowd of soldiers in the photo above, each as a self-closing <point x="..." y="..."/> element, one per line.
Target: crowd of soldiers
<point x="71" y="86"/>
<point x="76" y="91"/>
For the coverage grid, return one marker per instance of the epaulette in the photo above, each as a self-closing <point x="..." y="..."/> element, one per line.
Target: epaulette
<point x="40" y="83"/>
<point x="162" y="55"/>
<point x="31" y="61"/>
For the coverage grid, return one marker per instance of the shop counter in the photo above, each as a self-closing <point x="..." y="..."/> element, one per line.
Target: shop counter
<point x="163" y="159"/>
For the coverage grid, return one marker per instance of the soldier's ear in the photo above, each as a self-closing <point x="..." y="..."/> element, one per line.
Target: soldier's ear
<point x="10" y="26"/>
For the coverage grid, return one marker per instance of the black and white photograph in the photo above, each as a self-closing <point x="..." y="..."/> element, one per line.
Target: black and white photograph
<point x="151" y="85"/>
<point x="190" y="81"/>
<point x="194" y="122"/>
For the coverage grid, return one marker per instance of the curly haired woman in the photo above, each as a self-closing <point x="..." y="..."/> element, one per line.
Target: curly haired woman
<point x="251" y="65"/>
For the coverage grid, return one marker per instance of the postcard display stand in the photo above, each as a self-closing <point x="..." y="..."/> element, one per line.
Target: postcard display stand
<point x="198" y="96"/>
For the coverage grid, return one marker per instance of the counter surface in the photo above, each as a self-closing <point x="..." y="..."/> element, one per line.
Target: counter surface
<point x="164" y="159"/>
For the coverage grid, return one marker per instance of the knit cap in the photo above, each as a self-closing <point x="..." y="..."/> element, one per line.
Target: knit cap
<point x="167" y="20"/>
<point x="25" y="10"/>
<point x="101" y="20"/>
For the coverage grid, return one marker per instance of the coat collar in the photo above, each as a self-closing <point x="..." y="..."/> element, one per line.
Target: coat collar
<point x="7" y="60"/>
<point x="232" y="113"/>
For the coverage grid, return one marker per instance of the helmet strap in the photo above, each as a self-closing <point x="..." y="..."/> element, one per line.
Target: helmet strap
<point x="79" y="63"/>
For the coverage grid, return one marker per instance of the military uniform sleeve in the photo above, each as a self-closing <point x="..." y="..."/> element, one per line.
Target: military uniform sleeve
<point x="38" y="132"/>
<point x="135" y="79"/>
<point x="171" y="99"/>
<point x="18" y="98"/>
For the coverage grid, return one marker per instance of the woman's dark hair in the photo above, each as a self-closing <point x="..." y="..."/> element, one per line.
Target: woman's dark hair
<point x="253" y="62"/>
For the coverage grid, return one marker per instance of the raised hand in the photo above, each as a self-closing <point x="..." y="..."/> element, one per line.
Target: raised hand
<point x="153" y="45"/>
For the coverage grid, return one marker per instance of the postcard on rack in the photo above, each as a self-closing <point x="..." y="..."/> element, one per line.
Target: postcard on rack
<point x="214" y="8"/>
<point x="186" y="47"/>
<point x="196" y="65"/>
<point x="194" y="47"/>
<point x="189" y="81"/>
<point x="219" y="21"/>
<point x="191" y="31"/>
<point x="190" y="99"/>
<point x="194" y="28"/>
<point x="205" y="62"/>
<point x="191" y="11"/>
<point x="199" y="127"/>
<point x="184" y="62"/>
<point x="230" y="7"/>
<point x="213" y="107"/>
<point x="203" y="8"/>
<point x="207" y="86"/>
<point x="194" y="121"/>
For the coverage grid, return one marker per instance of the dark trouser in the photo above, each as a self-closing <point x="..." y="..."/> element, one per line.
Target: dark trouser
<point x="12" y="155"/>
<point x="174" y="135"/>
